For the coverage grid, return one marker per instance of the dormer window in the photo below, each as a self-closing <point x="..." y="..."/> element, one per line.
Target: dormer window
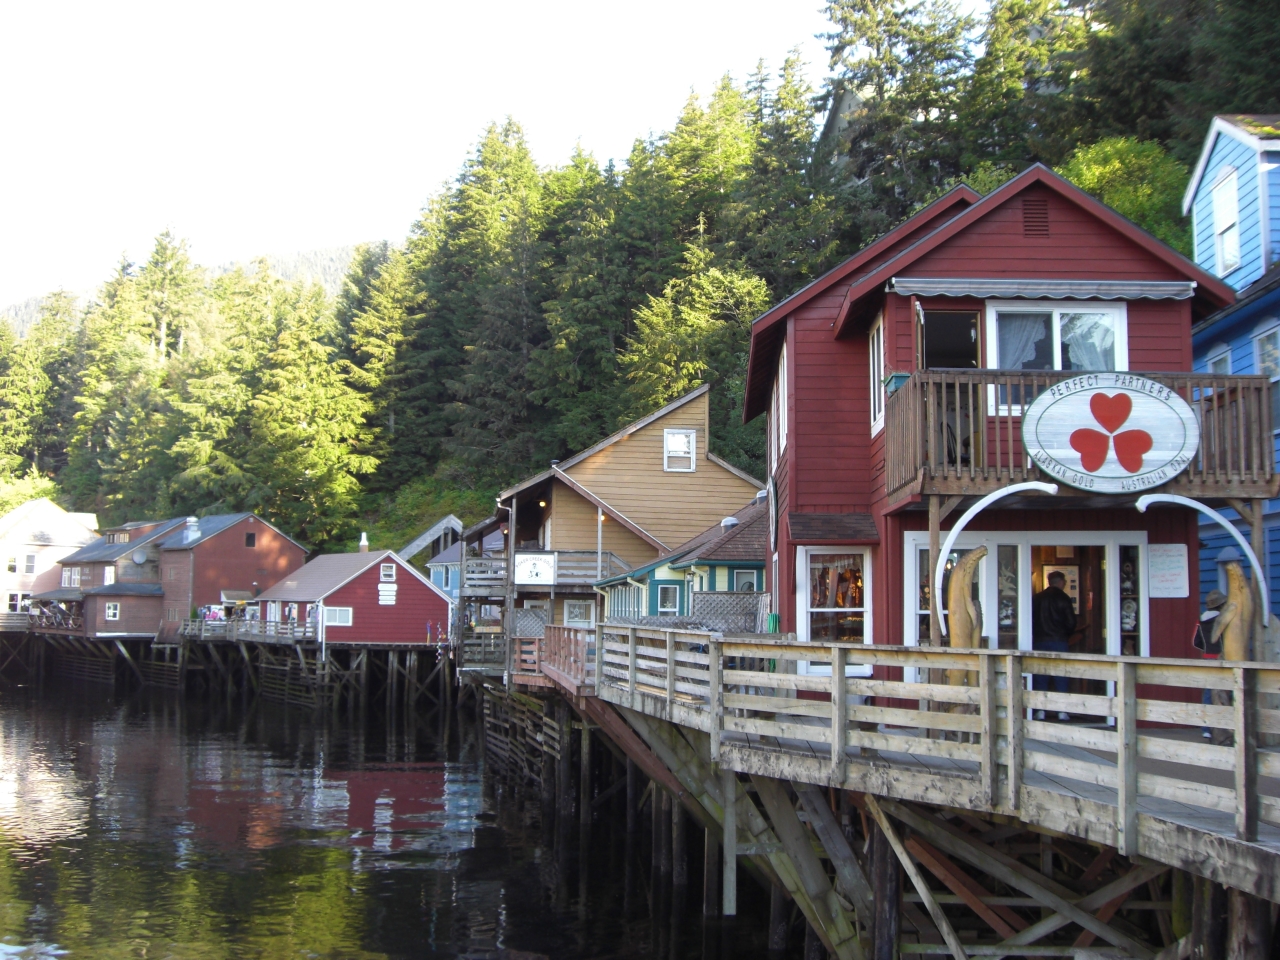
<point x="387" y="573"/>
<point x="679" y="450"/>
<point x="1226" y="225"/>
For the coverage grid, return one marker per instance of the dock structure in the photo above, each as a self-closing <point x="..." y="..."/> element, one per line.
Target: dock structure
<point x="938" y="819"/>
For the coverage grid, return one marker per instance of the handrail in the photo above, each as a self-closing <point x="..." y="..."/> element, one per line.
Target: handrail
<point x="257" y="631"/>
<point x="964" y="426"/>
<point x="744" y="690"/>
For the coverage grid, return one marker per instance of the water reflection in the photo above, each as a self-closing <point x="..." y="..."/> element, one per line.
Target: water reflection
<point x="154" y="827"/>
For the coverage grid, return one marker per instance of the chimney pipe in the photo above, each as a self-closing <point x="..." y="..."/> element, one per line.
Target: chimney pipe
<point x="192" y="530"/>
<point x="364" y="542"/>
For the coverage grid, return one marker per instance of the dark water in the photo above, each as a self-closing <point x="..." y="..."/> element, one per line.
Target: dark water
<point x="148" y="826"/>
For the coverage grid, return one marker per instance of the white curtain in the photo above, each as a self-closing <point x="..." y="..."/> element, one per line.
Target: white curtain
<point x="1088" y="342"/>
<point x="1018" y="334"/>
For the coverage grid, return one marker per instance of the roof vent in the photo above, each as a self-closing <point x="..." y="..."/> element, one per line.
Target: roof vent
<point x="729" y="523"/>
<point x="192" y="531"/>
<point x="555" y="462"/>
<point x="761" y="495"/>
<point x="1035" y="216"/>
<point x="364" y="542"/>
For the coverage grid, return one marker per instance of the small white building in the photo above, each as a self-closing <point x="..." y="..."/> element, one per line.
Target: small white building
<point x="33" y="538"/>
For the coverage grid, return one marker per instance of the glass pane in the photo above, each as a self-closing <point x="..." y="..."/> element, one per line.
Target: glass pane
<point x="835" y="581"/>
<point x="1088" y="341"/>
<point x="828" y="627"/>
<point x="1024" y="341"/>
<point x="1269" y="354"/>
<point x="678" y="444"/>
<point x="1221" y="364"/>
<point x="1130" y="607"/>
<point x="1007" y="615"/>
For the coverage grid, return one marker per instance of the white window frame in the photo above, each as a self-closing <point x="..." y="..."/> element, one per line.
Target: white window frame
<point x="666" y="450"/>
<point x="1056" y="308"/>
<point x="875" y="352"/>
<point x="1224" y="199"/>
<point x="111" y="610"/>
<point x="1266" y="329"/>
<point x="739" y="574"/>
<point x="445" y="573"/>
<point x="988" y="587"/>
<point x="29" y="564"/>
<point x="664" y="610"/>
<point x="823" y="669"/>
<point x="383" y="570"/>
<point x="337" y="616"/>
<point x="71" y="577"/>
<point x="108" y="575"/>
<point x="1219" y="351"/>
<point x="777" y="440"/>
<point x="588" y="621"/>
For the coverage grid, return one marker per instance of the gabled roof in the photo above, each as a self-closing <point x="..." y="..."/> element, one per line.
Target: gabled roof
<point x="101" y="551"/>
<point x="1261" y="131"/>
<point x="415" y="546"/>
<point x="745" y="542"/>
<point x="706" y="542"/>
<point x="1259" y="294"/>
<point x="210" y="526"/>
<point x="320" y="577"/>
<point x="606" y="442"/>
<point x="32" y="510"/>
<point x="872" y="279"/>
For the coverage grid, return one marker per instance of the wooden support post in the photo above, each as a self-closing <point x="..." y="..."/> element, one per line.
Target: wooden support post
<point x="1015" y="719"/>
<point x="814" y="949"/>
<point x="839" y="715"/>
<point x="1248" y="926"/>
<point x="599" y="684"/>
<point x="679" y="846"/>
<point x="716" y="692"/>
<point x="850" y="879"/>
<point x="1245" y="701"/>
<point x="631" y="669"/>
<point x="777" y="920"/>
<point x="886" y="880"/>
<point x="509" y="614"/>
<point x="729" y="791"/>
<point x="917" y="879"/>
<point x="1209" y="922"/>
<point x="633" y="794"/>
<point x="564" y="774"/>
<point x="987" y="709"/>
<point x="935" y="545"/>
<point x="584" y="774"/>
<point x="671" y="669"/>
<point x="1126" y="759"/>
<point x="1181" y="885"/>
<point x="710" y="873"/>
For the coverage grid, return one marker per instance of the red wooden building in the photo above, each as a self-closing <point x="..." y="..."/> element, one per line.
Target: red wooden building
<point x="366" y="599"/>
<point x="894" y="388"/>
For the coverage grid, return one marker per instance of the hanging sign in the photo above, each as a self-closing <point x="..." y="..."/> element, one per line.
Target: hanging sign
<point x="535" y="569"/>
<point x="1110" y="433"/>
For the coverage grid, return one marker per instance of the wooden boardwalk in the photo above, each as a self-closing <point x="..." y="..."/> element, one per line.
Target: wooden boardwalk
<point x="1130" y="771"/>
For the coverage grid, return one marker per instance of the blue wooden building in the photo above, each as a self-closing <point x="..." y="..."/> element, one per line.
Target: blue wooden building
<point x="1233" y="200"/>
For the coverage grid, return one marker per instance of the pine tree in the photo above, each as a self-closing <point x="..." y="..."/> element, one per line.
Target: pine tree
<point x="35" y="387"/>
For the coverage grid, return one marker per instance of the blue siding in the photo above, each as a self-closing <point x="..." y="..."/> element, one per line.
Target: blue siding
<point x="1229" y="152"/>
<point x="1273" y="197"/>
<point x="1215" y="540"/>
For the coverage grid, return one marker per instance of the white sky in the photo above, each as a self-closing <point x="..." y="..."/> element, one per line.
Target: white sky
<point x="272" y="127"/>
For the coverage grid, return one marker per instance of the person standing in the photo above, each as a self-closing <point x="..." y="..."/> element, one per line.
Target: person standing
<point x="1210" y="649"/>
<point x="1053" y="621"/>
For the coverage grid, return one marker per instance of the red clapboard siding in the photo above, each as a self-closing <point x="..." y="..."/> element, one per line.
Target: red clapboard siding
<point x="416" y="606"/>
<point x="223" y="562"/>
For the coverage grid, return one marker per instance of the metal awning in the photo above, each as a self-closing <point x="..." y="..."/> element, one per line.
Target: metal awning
<point x="1046" y="289"/>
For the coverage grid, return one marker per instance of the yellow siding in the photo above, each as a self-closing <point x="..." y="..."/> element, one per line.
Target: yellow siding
<point x="673" y="507"/>
<point x="573" y="527"/>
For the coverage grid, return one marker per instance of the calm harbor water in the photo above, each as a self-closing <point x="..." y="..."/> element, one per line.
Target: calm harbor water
<point x="150" y="826"/>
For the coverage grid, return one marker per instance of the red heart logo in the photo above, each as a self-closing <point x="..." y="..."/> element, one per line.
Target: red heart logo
<point x="1111" y="412"/>
<point x="1092" y="447"/>
<point x="1130" y="446"/>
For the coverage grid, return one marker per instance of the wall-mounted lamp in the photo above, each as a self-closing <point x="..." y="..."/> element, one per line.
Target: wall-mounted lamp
<point x="542" y="503"/>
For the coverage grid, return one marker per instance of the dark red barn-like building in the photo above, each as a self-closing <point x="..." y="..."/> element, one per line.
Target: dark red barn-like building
<point x="370" y="598"/>
<point x="895" y="386"/>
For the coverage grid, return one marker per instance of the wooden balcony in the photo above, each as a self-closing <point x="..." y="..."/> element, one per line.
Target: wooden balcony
<point x="249" y="631"/>
<point x="959" y="433"/>
<point x="487" y="576"/>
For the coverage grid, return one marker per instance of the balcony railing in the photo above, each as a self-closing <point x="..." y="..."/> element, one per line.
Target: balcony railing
<point x="487" y="576"/>
<point x="256" y="631"/>
<point x="55" y="620"/>
<point x="959" y="432"/>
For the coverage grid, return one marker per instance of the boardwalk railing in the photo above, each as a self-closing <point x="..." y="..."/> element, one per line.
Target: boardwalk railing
<point x="485" y="651"/>
<point x="978" y="741"/>
<point x="568" y="657"/>
<point x="960" y="432"/>
<point x="487" y="576"/>
<point x="256" y="631"/>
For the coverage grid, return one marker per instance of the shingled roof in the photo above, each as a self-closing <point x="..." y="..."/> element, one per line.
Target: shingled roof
<point x="745" y="542"/>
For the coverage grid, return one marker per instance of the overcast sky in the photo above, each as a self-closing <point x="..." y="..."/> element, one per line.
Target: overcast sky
<point x="272" y="127"/>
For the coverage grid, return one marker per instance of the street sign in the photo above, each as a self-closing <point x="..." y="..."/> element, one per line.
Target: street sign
<point x="1110" y="433"/>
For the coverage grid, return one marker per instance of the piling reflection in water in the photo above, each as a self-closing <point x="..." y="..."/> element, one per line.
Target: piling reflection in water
<point x="153" y="826"/>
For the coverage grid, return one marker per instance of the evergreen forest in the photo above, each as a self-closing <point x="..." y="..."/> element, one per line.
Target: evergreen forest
<point x="533" y="309"/>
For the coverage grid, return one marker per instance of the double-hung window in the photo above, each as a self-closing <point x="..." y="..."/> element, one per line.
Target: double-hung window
<point x="30" y="566"/>
<point x="679" y="450"/>
<point x="1218" y="362"/>
<point x="777" y="440"/>
<point x="875" y="350"/>
<point x="71" y="577"/>
<point x="1226" y="225"/>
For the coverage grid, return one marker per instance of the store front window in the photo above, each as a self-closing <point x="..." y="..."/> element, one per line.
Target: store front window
<point x="833" y="601"/>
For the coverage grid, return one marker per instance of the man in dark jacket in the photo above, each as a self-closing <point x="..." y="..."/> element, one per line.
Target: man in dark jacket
<point x="1053" y="621"/>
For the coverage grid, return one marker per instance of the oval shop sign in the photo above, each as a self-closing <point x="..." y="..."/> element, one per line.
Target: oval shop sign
<point x="1110" y="433"/>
